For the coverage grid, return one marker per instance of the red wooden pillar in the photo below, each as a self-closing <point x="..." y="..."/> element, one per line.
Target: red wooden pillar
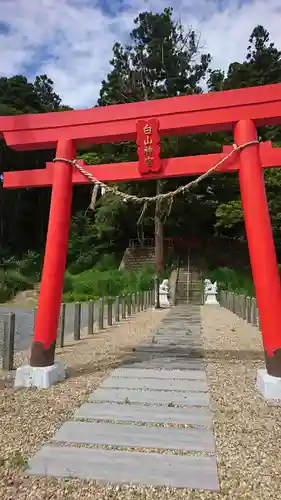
<point x="261" y="245"/>
<point x="47" y="317"/>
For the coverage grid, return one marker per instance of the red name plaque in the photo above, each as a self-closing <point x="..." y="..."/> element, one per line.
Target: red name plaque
<point x="148" y="141"/>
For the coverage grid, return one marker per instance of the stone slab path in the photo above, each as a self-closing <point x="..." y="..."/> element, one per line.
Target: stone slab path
<point x="149" y="423"/>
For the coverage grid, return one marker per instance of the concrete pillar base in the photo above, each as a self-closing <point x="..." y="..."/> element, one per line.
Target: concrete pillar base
<point x="268" y="386"/>
<point x="41" y="377"/>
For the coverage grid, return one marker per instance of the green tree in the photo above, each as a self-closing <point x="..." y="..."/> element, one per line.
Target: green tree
<point x="262" y="66"/>
<point x="19" y="94"/>
<point x="24" y="213"/>
<point x="44" y="88"/>
<point x="161" y="60"/>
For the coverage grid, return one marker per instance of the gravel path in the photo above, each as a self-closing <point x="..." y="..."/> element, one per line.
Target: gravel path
<point x="247" y="430"/>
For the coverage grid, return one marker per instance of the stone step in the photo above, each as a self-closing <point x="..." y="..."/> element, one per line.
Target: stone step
<point x="180" y="326"/>
<point x="141" y="413"/>
<point x="136" y="436"/>
<point x="151" y="397"/>
<point x="170" y="350"/>
<point x="164" y="362"/>
<point x="120" y="467"/>
<point x="155" y="384"/>
<point x="177" y="340"/>
<point x="192" y="334"/>
<point x="169" y="331"/>
<point x="178" y="344"/>
<point x="185" y="328"/>
<point x="159" y="374"/>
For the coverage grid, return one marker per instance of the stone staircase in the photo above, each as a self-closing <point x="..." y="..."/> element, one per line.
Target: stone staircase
<point x="188" y="279"/>
<point x="189" y="286"/>
<point x="196" y="287"/>
<point x="137" y="257"/>
<point x="182" y="286"/>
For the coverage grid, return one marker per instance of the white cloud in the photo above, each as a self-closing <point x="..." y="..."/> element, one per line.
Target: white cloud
<point x="71" y="40"/>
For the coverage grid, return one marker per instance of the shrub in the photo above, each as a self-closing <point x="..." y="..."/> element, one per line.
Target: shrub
<point x="83" y="263"/>
<point x="107" y="261"/>
<point x="68" y="282"/>
<point x="89" y="262"/>
<point x="12" y="282"/>
<point x="95" y="283"/>
<point x="30" y="265"/>
<point x="68" y="297"/>
<point x="232" y="280"/>
<point x="18" y="275"/>
<point x="77" y="297"/>
<point x="5" y="293"/>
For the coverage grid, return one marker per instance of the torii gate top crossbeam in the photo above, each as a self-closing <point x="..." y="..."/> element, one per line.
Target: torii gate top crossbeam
<point x="177" y="116"/>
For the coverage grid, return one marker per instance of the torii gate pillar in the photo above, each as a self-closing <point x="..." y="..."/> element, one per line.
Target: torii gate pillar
<point x="42" y="371"/>
<point x="261" y="245"/>
<point x="44" y="342"/>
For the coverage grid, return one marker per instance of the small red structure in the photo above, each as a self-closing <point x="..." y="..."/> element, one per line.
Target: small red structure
<point x="238" y="110"/>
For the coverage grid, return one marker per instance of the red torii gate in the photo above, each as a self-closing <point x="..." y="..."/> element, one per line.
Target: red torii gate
<point x="238" y="110"/>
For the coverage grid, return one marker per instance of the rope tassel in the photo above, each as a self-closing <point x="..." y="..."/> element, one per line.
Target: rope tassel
<point x="94" y="197"/>
<point x="144" y="209"/>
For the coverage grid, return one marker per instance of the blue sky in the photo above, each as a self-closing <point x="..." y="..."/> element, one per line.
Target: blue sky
<point x="71" y="40"/>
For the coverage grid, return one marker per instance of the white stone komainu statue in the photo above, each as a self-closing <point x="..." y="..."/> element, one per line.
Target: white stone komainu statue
<point x="164" y="292"/>
<point x="210" y="290"/>
<point x="207" y="283"/>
